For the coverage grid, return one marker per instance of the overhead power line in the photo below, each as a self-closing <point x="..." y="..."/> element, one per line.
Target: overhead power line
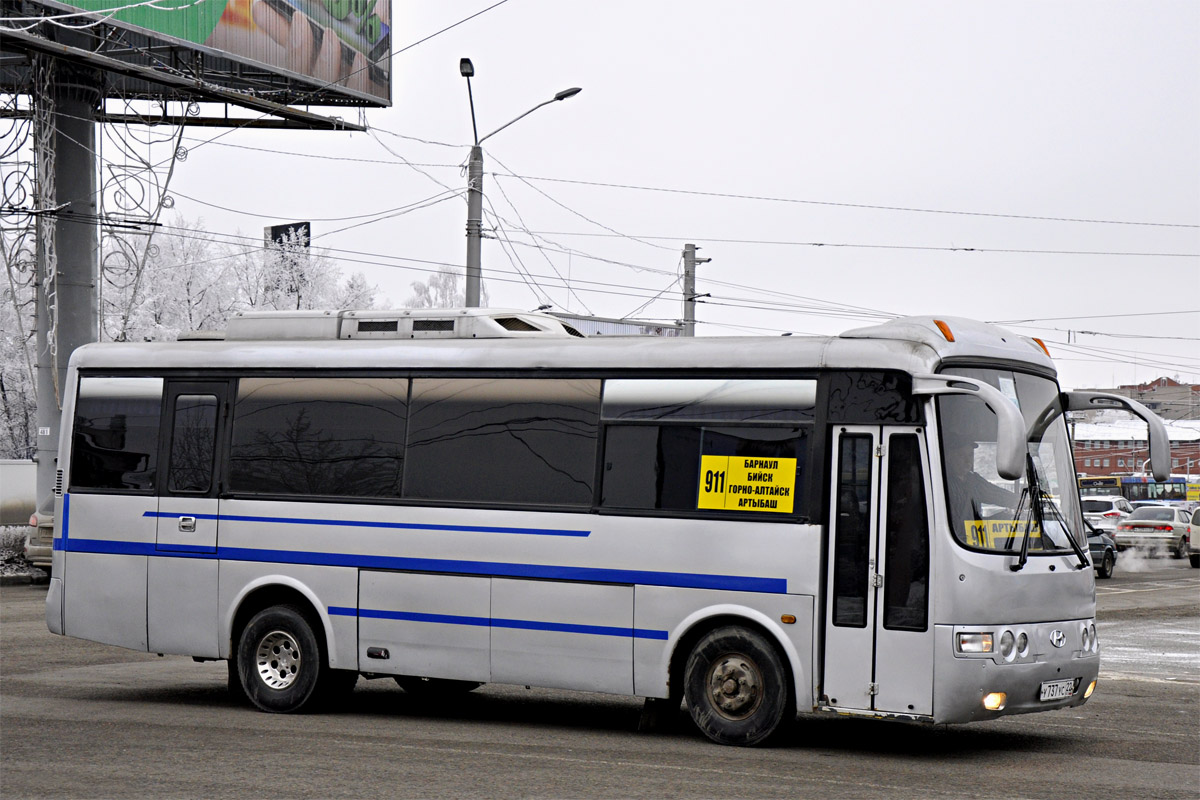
<point x="1093" y="316"/>
<point x="868" y="206"/>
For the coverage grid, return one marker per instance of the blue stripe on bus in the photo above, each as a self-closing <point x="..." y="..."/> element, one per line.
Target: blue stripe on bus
<point x="61" y="543"/>
<point x="685" y="580"/>
<point x="486" y="622"/>
<point x="412" y="526"/>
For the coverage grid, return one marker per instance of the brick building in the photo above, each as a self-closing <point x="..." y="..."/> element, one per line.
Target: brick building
<point x="1119" y="448"/>
<point x="1166" y="397"/>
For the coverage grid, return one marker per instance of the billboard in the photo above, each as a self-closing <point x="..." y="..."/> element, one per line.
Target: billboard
<point x="296" y="233"/>
<point x="330" y="45"/>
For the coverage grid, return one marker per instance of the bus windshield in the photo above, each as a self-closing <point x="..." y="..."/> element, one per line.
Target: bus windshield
<point x="1036" y="513"/>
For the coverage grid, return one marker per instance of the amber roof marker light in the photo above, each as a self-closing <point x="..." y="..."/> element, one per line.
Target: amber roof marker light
<point x="945" y="329"/>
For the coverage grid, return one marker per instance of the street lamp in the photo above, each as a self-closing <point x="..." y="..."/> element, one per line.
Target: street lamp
<point x="475" y="182"/>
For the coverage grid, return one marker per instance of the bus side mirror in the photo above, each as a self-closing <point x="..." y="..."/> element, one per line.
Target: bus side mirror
<point x="1160" y="444"/>
<point x="1010" y="430"/>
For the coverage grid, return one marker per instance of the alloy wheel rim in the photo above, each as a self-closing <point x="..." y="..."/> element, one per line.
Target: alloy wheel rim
<point x="278" y="659"/>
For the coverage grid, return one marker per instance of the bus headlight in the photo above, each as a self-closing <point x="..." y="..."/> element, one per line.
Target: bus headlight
<point x="1022" y="644"/>
<point x="974" y="643"/>
<point x="1008" y="645"/>
<point x="1090" y="643"/>
<point x="1091" y="688"/>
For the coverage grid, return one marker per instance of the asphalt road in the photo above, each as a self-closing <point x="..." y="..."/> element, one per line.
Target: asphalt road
<point x="84" y="720"/>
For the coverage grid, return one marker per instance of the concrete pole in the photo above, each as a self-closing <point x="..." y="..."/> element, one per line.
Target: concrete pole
<point x="474" y="225"/>
<point x="689" y="287"/>
<point x="68" y="312"/>
<point x="689" y="290"/>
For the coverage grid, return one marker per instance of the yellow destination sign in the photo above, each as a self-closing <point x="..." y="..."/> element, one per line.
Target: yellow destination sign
<point x="998" y="533"/>
<point x="734" y="483"/>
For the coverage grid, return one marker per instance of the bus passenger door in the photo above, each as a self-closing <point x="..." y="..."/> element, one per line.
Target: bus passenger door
<point x="182" y="575"/>
<point x="878" y="640"/>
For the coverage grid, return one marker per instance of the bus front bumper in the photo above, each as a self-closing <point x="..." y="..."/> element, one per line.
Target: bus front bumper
<point x="1048" y="676"/>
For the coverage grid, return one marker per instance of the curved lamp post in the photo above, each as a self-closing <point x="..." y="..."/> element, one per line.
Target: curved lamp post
<point x="475" y="182"/>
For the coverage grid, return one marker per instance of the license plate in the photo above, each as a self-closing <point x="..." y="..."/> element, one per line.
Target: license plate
<point x="1057" y="690"/>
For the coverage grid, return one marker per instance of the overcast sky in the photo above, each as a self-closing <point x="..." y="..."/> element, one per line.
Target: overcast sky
<point x="927" y="147"/>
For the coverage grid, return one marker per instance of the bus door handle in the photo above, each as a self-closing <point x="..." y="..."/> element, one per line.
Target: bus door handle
<point x="187" y="524"/>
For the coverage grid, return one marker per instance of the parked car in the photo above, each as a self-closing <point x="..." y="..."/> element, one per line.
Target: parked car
<point x="1103" y="550"/>
<point x="1194" y="541"/>
<point x="1157" y="528"/>
<point x="1106" y="511"/>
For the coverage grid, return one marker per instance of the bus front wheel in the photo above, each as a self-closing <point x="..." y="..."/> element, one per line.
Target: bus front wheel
<point x="736" y="688"/>
<point x="280" y="660"/>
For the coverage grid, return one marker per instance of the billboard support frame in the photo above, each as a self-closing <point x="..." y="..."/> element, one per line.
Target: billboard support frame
<point x="187" y="86"/>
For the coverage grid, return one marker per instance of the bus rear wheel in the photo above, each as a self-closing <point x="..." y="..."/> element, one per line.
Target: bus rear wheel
<point x="281" y="662"/>
<point x="736" y="688"/>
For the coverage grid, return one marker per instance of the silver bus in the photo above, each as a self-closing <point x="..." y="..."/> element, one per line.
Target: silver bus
<point x="884" y="523"/>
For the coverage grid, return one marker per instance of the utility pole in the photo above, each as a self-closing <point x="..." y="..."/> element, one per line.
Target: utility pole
<point x="474" y="225"/>
<point x="68" y="310"/>
<point x="689" y="287"/>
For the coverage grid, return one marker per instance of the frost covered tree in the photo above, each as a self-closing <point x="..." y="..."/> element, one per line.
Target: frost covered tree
<point x="446" y="288"/>
<point x="289" y="276"/>
<point x="18" y="397"/>
<point x="182" y="282"/>
<point x="190" y="281"/>
<point x="154" y="288"/>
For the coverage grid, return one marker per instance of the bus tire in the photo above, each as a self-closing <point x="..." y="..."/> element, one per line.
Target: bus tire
<point x="435" y="687"/>
<point x="1195" y="559"/>
<point x="736" y="688"/>
<point x="281" y="661"/>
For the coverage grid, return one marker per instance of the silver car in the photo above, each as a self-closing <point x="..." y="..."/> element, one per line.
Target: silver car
<point x="1106" y="511"/>
<point x="1194" y="542"/>
<point x="1157" y="528"/>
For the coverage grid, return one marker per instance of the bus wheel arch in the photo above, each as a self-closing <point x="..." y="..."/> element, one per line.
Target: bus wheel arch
<point x="256" y="598"/>
<point x="283" y="618"/>
<point x="748" y="665"/>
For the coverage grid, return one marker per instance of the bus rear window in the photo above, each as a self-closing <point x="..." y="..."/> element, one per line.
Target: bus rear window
<point x="114" y="445"/>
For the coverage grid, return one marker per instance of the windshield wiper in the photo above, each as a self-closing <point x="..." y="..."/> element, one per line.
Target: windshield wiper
<point x="1062" y="520"/>
<point x="1037" y="509"/>
<point x="1034" y="492"/>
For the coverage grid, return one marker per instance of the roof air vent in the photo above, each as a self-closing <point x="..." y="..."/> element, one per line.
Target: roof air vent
<point x="516" y="324"/>
<point x="432" y="325"/>
<point x="378" y="326"/>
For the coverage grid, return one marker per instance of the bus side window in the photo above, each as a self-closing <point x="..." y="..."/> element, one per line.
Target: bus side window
<point x="852" y="541"/>
<point x="114" y="445"/>
<point x="658" y="466"/>
<point x="503" y="440"/>
<point x="193" y="442"/>
<point x="323" y="437"/>
<point x="906" y="570"/>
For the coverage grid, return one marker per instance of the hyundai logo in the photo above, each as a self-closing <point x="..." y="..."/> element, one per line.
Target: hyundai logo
<point x="1058" y="638"/>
